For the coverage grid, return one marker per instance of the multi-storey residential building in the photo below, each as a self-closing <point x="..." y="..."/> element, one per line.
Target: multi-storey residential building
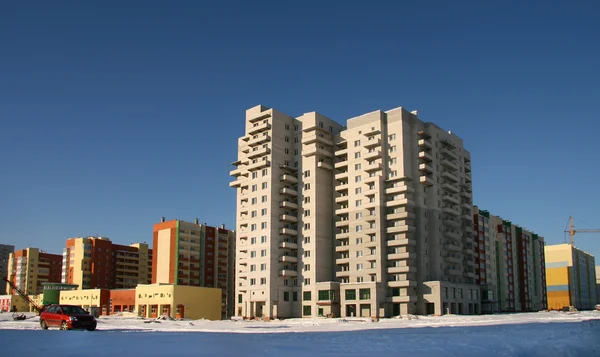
<point x="510" y="265"/>
<point x="195" y="254"/>
<point x="5" y="251"/>
<point x="96" y="262"/>
<point x="370" y="220"/>
<point x="28" y="268"/>
<point x="571" y="277"/>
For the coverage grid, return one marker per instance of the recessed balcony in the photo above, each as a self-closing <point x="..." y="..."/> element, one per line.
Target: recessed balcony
<point x="400" y="215"/>
<point x="342" y="186"/>
<point x="288" y="232"/>
<point x="451" y="199"/>
<point x="450" y="177"/>
<point x="288" y="179"/>
<point x="341" y="152"/>
<point x="453" y="272"/>
<point x="424" y="167"/>
<point x="288" y="272"/>
<point x="373" y="131"/>
<point x="288" y="205"/>
<point x="373" y="167"/>
<point x="451" y="223"/>
<point x="401" y="270"/>
<point x="426" y="180"/>
<point x="452" y="247"/>
<point x="372" y="155"/>
<point x="449" y="154"/>
<point x="342" y="199"/>
<point x="372" y="143"/>
<point x="451" y="259"/>
<point x="402" y="283"/>
<point x="425" y="143"/>
<point x="401" y="256"/>
<point x="316" y="151"/>
<point x="401" y="242"/>
<point x="449" y="164"/>
<point x="261" y="139"/>
<point x="288" y="259"/>
<point x="466" y="194"/>
<point x="399" y="189"/>
<point x="400" y="229"/>
<point x="288" y="218"/>
<point x="451" y="211"/>
<point x="258" y="153"/>
<point x="260" y="164"/>
<point x="288" y="245"/>
<point x="325" y="165"/>
<point x="400" y="202"/>
<point x="314" y="138"/>
<point x="452" y="188"/>
<point x="258" y="116"/>
<point x="425" y="156"/>
<point x="238" y="182"/>
<point x="342" y="223"/>
<point x="342" y="176"/>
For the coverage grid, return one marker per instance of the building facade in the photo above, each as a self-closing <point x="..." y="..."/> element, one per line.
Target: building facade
<point x="194" y="254"/>
<point x="5" y="251"/>
<point x="510" y="265"/>
<point x="571" y="277"/>
<point x="96" y="262"/>
<point x="360" y="220"/>
<point x="29" y="268"/>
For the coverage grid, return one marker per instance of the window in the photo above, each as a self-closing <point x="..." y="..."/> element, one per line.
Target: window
<point x="254" y="188"/>
<point x="264" y="172"/>
<point x="252" y="281"/>
<point x="306" y="281"/>
<point x="306" y="240"/>
<point x="294" y="296"/>
<point x="307" y="186"/>
<point x="359" y="254"/>
<point x="264" y="198"/>
<point x="287" y="139"/>
<point x="254" y="200"/>
<point x="253" y="214"/>
<point x="307" y="199"/>
<point x="365" y="294"/>
<point x="263" y="267"/>
<point x="307" y="254"/>
<point x="253" y="227"/>
<point x="357" y="178"/>
<point x="286" y="296"/>
<point x="350" y="294"/>
<point x="252" y="267"/>
<point x="253" y="240"/>
<point x="263" y="253"/>
<point x="358" y="190"/>
<point x="393" y="148"/>
<point x="357" y="155"/>
<point x="306" y="296"/>
<point x="326" y="295"/>
<point x="359" y="266"/>
<point x="358" y="215"/>
<point x="306" y="310"/>
<point x="306" y="267"/>
<point x="392" y="137"/>
<point x="263" y="212"/>
<point x="263" y="281"/>
<point x="263" y="225"/>
<point x="263" y="239"/>
<point x="356" y="143"/>
<point x="264" y="185"/>
<point x="358" y="240"/>
<point x="356" y="166"/>
<point x="306" y="173"/>
<point x="254" y="174"/>
<point x="358" y="203"/>
<point x="253" y="254"/>
<point x="393" y="161"/>
<point x="239" y="299"/>
<point x="307" y="213"/>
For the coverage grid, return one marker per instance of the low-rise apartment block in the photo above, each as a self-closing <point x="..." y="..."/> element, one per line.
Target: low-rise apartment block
<point x="96" y="262"/>
<point x="571" y="277"/>
<point x="510" y="265"/>
<point x="195" y="254"/>
<point x="28" y="268"/>
<point x="373" y="219"/>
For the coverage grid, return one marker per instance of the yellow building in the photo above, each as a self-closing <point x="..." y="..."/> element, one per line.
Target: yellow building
<point x="570" y="277"/>
<point x="178" y="301"/>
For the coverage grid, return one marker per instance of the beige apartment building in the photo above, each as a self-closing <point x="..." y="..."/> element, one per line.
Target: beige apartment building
<point x="373" y="219"/>
<point x="29" y="268"/>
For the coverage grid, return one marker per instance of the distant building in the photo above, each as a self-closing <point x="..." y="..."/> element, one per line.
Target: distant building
<point x="571" y="277"/>
<point x="29" y="268"/>
<point x="510" y="265"/>
<point x="96" y="262"/>
<point x="195" y="254"/>
<point x="597" y="284"/>
<point x="5" y="251"/>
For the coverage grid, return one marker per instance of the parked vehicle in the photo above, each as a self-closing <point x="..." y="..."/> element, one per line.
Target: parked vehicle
<point x="67" y="317"/>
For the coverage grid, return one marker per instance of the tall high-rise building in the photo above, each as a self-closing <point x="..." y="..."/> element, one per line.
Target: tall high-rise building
<point x="5" y="251"/>
<point x="571" y="277"/>
<point x="96" y="262"/>
<point x="28" y="268"/>
<point x="195" y="254"/>
<point x="510" y="264"/>
<point x="373" y="219"/>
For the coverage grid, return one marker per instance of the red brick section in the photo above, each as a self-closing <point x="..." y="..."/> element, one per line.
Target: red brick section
<point x="53" y="262"/>
<point x="210" y="257"/>
<point x="121" y="300"/>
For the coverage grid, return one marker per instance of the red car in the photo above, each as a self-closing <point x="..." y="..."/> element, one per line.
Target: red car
<point x="67" y="317"/>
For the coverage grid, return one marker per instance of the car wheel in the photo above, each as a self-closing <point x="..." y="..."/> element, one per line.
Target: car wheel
<point x="64" y="326"/>
<point x="43" y="325"/>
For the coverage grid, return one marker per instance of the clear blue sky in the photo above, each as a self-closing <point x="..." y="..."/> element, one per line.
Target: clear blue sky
<point x="116" y="113"/>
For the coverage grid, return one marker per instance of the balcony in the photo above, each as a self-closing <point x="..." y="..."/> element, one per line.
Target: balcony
<point x="341" y="199"/>
<point x="341" y="152"/>
<point x="402" y="299"/>
<point x="400" y="256"/>
<point x="258" y="116"/>
<point x="451" y="259"/>
<point x="342" y="223"/>
<point x="450" y="187"/>
<point x="288" y="218"/>
<point x="373" y="167"/>
<point x="400" y="215"/>
<point x="372" y="143"/>
<point x="258" y="153"/>
<point x="449" y="164"/>
<point x="466" y="194"/>
<point x="314" y="138"/>
<point x="400" y="229"/>
<point x="342" y="186"/>
<point x="243" y="261"/>
<point x="342" y="248"/>
<point x="342" y="176"/>
<point x="342" y="273"/>
<point x="372" y="131"/>
<point x="452" y="235"/>
<point x="316" y="151"/>
<point x="450" y="177"/>
<point x="402" y="284"/>
<point x="288" y="273"/>
<point x="288" y="232"/>
<point x="261" y="139"/>
<point x="288" y="259"/>
<point x="238" y="182"/>
<point x="372" y="155"/>
<point x="401" y="242"/>
<point x="425" y="156"/>
<point x="341" y="164"/>
<point x="451" y="211"/>
<point x="288" y="245"/>
<point x="452" y="223"/>
<point x="399" y="189"/>
<point x="401" y="270"/>
<point x="288" y="205"/>
<point x="342" y="235"/>
<point x="288" y="192"/>
<point x="342" y="210"/>
<point x="426" y="180"/>
<point x="449" y="154"/>
<point x="240" y="171"/>
<point x="451" y="199"/>
<point x="324" y="165"/>
<point x="452" y="247"/>
<point x="370" y="230"/>
<point x="371" y="179"/>
<point x="424" y="167"/>
<point x="259" y="128"/>
<point x="425" y="143"/>
<point x="400" y="202"/>
<point x="371" y="204"/>
<point x="453" y="272"/>
<point x="288" y="179"/>
<point x="260" y="164"/>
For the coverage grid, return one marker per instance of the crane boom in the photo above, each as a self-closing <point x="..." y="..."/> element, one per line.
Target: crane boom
<point x="572" y="230"/>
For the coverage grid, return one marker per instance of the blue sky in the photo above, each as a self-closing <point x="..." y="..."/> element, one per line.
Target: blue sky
<point x="114" y="114"/>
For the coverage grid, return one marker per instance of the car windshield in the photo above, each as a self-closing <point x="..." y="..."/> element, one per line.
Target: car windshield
<point x="73" y="310"/>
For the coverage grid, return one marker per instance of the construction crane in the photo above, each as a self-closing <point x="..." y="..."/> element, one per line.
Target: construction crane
<point x="39" y="309"/>
<point x="572" y="230"/>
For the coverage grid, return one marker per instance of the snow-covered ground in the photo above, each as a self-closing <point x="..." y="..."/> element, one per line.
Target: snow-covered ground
<point x="527" y="334"/>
